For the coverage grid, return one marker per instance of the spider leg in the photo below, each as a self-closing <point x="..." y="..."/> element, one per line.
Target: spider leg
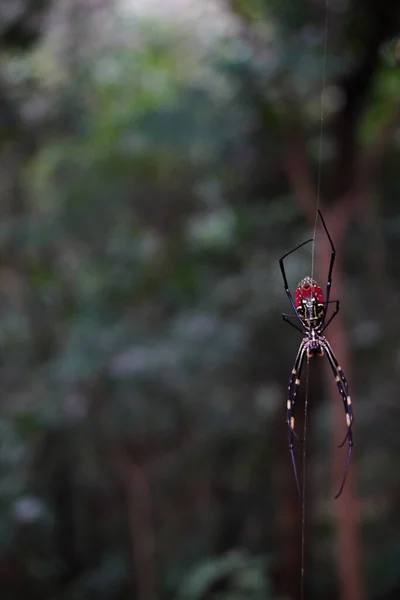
<point x="342" y="381"/>
<point x="286" y="318"/>
<point x="332" y="262"/>
<point x="285" y="281"/>
<point x="333" y="315"/>
<point x="293" y="387"/>
<point x="343" y="389"/>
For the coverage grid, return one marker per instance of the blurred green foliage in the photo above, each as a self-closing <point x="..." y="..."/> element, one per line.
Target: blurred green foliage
<point x="144" y="208"/>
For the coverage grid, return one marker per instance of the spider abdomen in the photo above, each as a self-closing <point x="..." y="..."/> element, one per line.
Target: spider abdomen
<point x="308" y="288"/>
<point x="309" y="300"/>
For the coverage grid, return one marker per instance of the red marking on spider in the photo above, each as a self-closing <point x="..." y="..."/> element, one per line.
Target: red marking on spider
<point x="308" y="288"/>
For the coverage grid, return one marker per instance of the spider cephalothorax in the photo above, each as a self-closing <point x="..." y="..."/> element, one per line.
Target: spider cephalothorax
<point x="310" y="309"/>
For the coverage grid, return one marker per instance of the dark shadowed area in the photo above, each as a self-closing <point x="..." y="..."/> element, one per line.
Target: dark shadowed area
<point x="154" y="167"/>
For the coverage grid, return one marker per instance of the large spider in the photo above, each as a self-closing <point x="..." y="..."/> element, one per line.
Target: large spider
<point x="310" y="309"/>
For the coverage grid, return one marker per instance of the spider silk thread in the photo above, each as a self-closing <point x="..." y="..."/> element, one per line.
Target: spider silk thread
<point x="321" y="134"/>
<point x="304" y="470"/>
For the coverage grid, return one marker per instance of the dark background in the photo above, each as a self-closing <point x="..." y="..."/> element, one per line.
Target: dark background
<point x="152" y="172"/>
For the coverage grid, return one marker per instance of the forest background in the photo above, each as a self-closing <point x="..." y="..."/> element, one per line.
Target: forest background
<point x="155" y="165"/>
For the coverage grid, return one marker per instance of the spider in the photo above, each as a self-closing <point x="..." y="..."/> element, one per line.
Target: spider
<point x="310" y="309"/>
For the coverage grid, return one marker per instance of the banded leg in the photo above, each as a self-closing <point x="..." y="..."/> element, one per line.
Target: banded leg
<point x="293" y="387"/>
<point x="343" y="389"/>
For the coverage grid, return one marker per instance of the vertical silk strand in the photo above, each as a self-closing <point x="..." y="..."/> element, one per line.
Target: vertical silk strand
<point x="304" y="472"/>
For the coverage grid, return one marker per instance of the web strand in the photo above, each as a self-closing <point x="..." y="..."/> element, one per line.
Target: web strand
<point x="303" y="495"/>
<point x="321" y="133"/>
<point x="304" y="470"/>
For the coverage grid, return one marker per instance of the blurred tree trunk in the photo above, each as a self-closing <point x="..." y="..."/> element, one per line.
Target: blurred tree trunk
<point x="338" y="220"/>
<point x="358" y="175"/>
<point x="135" y="483"/>
<point x="141" y="527"/>
<point x="351" y="179"/>
<point x="347" y="508"/>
